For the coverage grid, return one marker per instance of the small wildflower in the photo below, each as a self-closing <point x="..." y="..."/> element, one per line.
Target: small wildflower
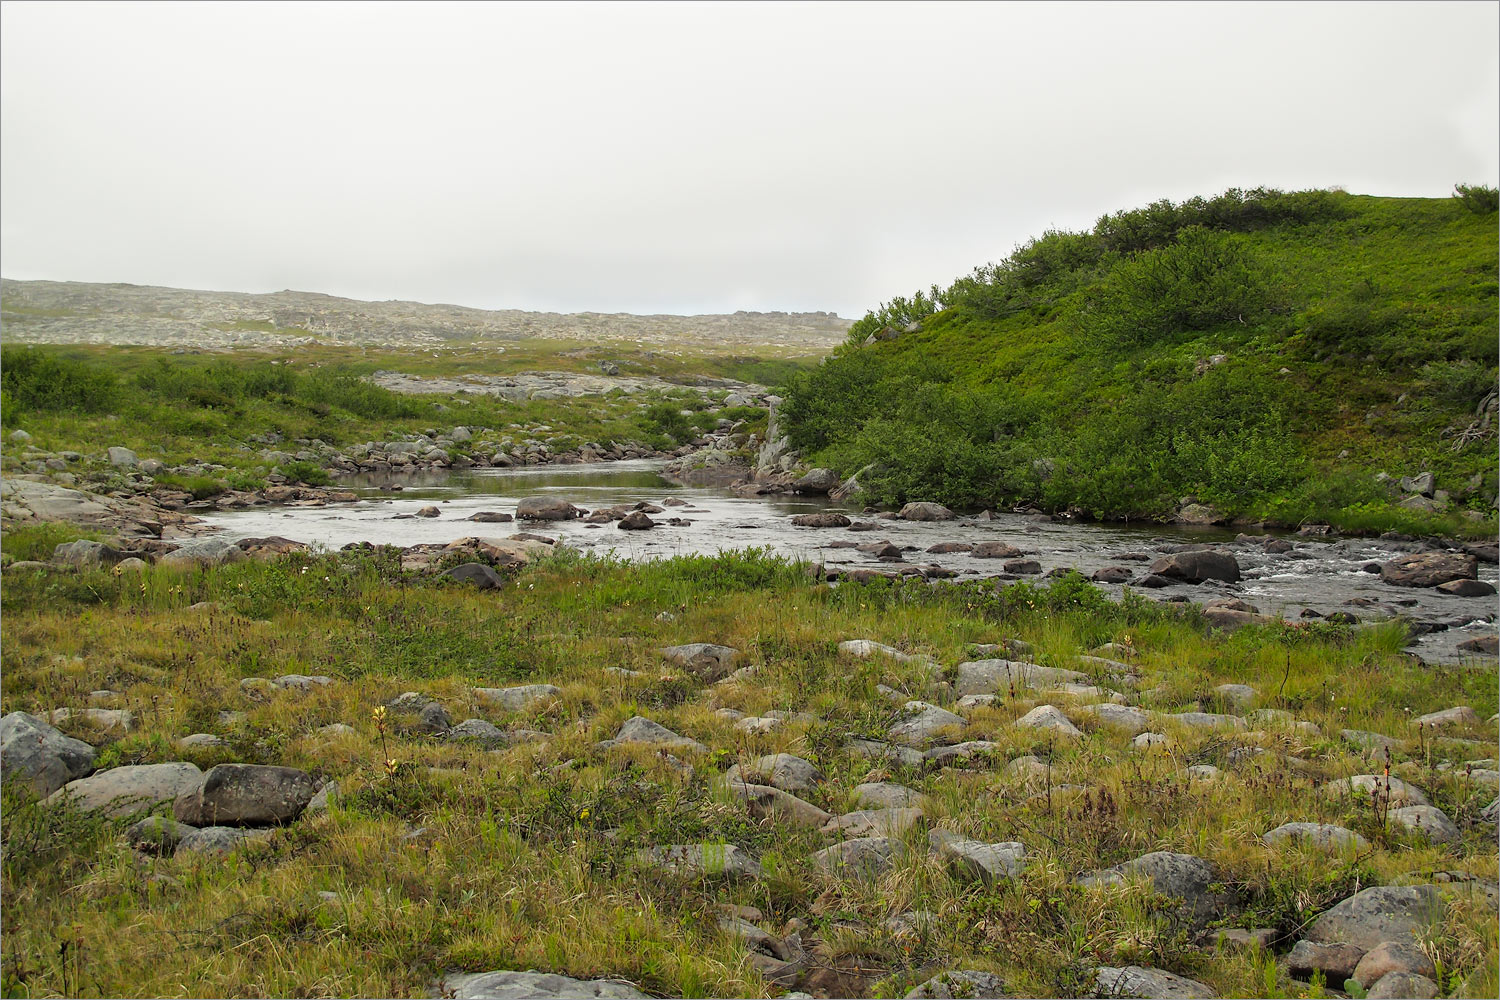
<point x="391" y="765"/>
<point x="583" y="815"/>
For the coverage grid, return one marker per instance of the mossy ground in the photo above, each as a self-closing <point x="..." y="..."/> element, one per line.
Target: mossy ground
<point x="475" y="859"/>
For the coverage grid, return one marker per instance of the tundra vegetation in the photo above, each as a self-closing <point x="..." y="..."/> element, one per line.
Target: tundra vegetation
<point x="1262" y="352"/>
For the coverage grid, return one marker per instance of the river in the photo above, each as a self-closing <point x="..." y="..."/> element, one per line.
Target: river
<point x="1316" y="574"/>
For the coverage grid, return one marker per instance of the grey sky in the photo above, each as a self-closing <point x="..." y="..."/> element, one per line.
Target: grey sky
<point x="678" y="158"/>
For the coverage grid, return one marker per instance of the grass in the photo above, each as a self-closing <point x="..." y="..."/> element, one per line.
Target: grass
<point x="471" y="859"/>
<point x="1356" y="335"/>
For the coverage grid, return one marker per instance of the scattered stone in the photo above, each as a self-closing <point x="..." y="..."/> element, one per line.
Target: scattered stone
<point x="884" y="795"/>
<point x="1185" y="877"/>
<point x="1428" y="569"/>
<point x="1399" y="792"/>
<point x="38" y="755"/>
<point x="704" y="660"/>
<point x="246" y="795"/>
<point x="960" y="983"/>
<point x="1427" y="820"/>
<point x="1130" y="719"/>
<point x="635" y="521"/>
<point x="1112" y="574"/>
<point x="1207" y="720"/>
<point x="780" y="770"/>
<point x="1459" y="715"/>
<point x="101" y="718"/>
<point x="491" y="517"/>
<point x="519" y="698"/>
<point x="1336" y="838"/>
<point x="156" y="835"/>
<point x="505" y="985"/>
<point x="945" y="756"/>
<point x="766" y="802"/>
<point x="203" y="552"/>
<point x="924" y="721"/>
<point x="869" y="857"/>
<point x="865" y="648"/>
<point x="703" y="859"/>
<point x="1335" y="960"/>
<point x="219" y="840"/>
<point x="1393" y="956"/>
<point x="429" y="511"/>
<point x="546" y="509"/>
<point x="1402" y="985"/>
<point x="1197" y="565"/>
<point x="885" y="752"/>
<point x="640" y="729"/>
<point x="121" y="457"/>
<point x="1138" y="981"/>
<point x="1147" y="740"/>
<point x="1467" y="588"/>
<point x="825" y="519"/>
<point x="1048" y="717"/>
<point x="1238" y="695"/>
<point x="1376" y="915"/>
<point x="201" y="741"/>
<point x="86" y="553"/>
<point x="476" y="574"/>
<point x="889" y="822"/>
<point x="994" y="550"/>
<point x="977" y="860"/>
<point x="325" y="796"/>
<point x="1486" y="645"/>
<point x="991" y="676"/>
<point x="923" y="511"/>
<point x="477" y="730"/>
<point x="130" y="790"/>
<point x="1368" y="740"/>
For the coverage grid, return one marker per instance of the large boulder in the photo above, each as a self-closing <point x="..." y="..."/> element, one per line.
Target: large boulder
<point x="86" y="553"/>
<point x="129" y="790"/>
<point x="477" y="575"/>
<point x="546" y="509"/>
<point x="976" y="859"/>
<point x="817" y="481"/>
<point x="1428" y="569"/>
<point x="534" y="986"/>
<point x="924" y="511"/>
<point x="822" y="519"/>
<point x="1376" y="915"/>
<point x="1197" y="565"/>
<point x="40" y="756"/>
<point x="1324" y="835"/>
<point x="639" y="729"/>
<point x="246" y="795"/>
<point x="994" y="550"/>
<point x="999" y="676"/>
<point x="1184" y="877"/>
<point x="704" y="660"/>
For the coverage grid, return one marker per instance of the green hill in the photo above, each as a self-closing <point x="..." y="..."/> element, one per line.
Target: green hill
<point x="1265" y="353"/>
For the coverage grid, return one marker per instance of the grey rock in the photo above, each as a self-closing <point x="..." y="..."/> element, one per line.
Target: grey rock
<point x="1147" y="740"/>
<point x="20" y="437"/>
<point x="996" y="676"/>
<point x="546" y="509"/>
<point x="325" y="797"/>
<point x="865" y="648"/>
<point x="1376" y="915"/>
<point x="768" y="803"/>
<point x="100" y="718"/>
<point x="1393" y="956"/>
<point x="201" y="741"/>
<point x="246" y="795"/>
<point x="219" y="840"/>
<point x="821" y="481"/>
<point x="1467" y="588"/>
<point x="884" y="795"/>
<point x="85" y="553"/>
<point x="640" y="729"/>
<point x="886" y="752"/>
<point x="122" y="458"/>
<point x="946" y="756"/>
<point x="476" y="574"/>
<point x="976" y="859"/>
<point x="1403" y="985"/>
<point x="1128" y="718"/>
<point x="1207" y="720"/>
<point x="888" y="822"/>
<point x="203" y="552"/>
<point x="1197" y="565"/>
<point x="301" y="683"/>
<point x="520" y="698"/>
<point x="960" y="983"/>
<point x="1181" y="876"/>
<point x="1429" y="821"/>
<point x="923" y="722"/>
<point x="869" y="857"/>
<point x="1049" y="718"/>
<point x="780" y="770"/>
<point x="1368" y="740"/>
<point x="157" y="835"/>
<point x="725" y="860"/>
<point x="1238" y="695"/>
<point x="1138" y="981"/>
<point x="1325" y="835"/>
<point x="35" y="753"/>
<point x="635" y="521"/>
<point x="923" y="511"/>
<point x="1459" y="715"/>
<point x="704" y="660"/>
<point x="1428" y="569"/>
<point x="1336" y="960"/>
<point x="822" y="519"/>
<point x="477" y="730"/>
<point x="1399" y="792"/>
<point x="506" y="985"/>
<point x="128" y="791"/>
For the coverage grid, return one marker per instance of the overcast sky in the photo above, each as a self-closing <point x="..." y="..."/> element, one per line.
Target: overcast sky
<point x="683" y="158"/>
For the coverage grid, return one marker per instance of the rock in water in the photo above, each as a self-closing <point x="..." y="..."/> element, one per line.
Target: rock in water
<point x="1198" y="565"/>
<point x="546" y="509"/>
<point x="923" y="511"/>
<point x="1428" y="569"/>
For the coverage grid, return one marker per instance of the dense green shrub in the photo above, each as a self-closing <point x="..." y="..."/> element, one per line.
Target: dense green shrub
<point x="40" y="380"/>
<point x="1477" y="198"/>
<point x="306" y="472"/>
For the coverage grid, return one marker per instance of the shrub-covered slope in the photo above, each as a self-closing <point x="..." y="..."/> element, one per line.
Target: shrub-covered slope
<point x="1266" y="353"/>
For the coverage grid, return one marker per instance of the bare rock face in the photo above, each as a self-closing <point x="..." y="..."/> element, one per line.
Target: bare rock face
<point x="1428" y="569"/>
<point x="546" y="509"/>
<point x="1198" y="565"/>
<point x="246" y="795"/>
<point x="40" y="756"/>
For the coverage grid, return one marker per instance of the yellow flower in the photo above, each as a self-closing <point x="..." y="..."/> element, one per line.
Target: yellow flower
<point x="584" y="814"/>
<point x="391" y="765"/>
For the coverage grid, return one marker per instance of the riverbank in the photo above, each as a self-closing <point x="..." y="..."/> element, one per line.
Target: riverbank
<point x="983" y="785"/>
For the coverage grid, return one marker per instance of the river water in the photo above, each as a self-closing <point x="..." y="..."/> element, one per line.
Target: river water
<point x="1317" y="574"/>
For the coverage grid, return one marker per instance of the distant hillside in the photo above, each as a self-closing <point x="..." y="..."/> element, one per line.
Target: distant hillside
<point x="1261" y="353"/>
<point x="69" y="312"/>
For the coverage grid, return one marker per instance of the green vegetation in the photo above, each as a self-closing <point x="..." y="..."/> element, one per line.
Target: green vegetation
<point x="464" y="857"/>
<point x="1262" y="352"/>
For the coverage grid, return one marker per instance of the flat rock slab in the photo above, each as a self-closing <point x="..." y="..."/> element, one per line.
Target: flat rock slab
<point x="1376" y="915"/>
<point x="1137" y="981"/>
<point x="995" y="676"/>
<point x="535" y="986"/>
<point x="1206" y="720"/>
<point x="976" y="859"/>
<point x="725" y="860"/>
<point x="1126" y="717"/>
<point x="130" y="790"/>
<point x="517" y="699"/>
<point x="35" y="753"/>
<point x="1325" y="835"/>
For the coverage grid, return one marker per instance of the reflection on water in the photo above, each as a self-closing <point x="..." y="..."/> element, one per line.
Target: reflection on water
<point x="1315" y="575"/>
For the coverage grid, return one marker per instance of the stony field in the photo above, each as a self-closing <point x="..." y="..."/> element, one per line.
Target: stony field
<point x="321" y="775"/>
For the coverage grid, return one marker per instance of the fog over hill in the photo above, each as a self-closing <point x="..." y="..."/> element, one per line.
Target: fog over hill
<point x="65" y="312"/>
